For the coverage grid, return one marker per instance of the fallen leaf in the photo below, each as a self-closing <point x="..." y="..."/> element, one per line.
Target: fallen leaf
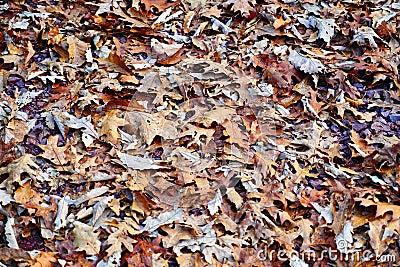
<point x="10" y="233"/>
<point x="86" y="239"/>
<point x="161" y="5"/>
<point x="109" y="126"/>
<point x="151" y="224"/>
<point x="31" y="52"/>
<point x="326" y="27"/>
<point x="305" y="64"/>
<point x="382" y="208"/>
<point x="45" y="259"/>
<point x="15" y="169"/>
<point x="242" y="6"/>
<point x="53" y="152"/>
<point x="137" y="163"/>
<point x="24" y="193"/>
<point x="215" y="203"/>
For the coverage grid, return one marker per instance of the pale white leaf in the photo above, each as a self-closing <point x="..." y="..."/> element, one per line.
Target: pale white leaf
<point x="23" y="24"/>
<point x="92" y="194"/>
<point x="215" y="203"/>
<point x="113" y="260"/>
<point x="364" y="34"/>
<point x="348" y="231"/>
<point x="89" y="134"/>
<point x="137" y="163"/>
<point x="345" y="238"/>
<point x="326" y="27"/>
<point x="98" y="209"/>
<point x="10" y="234"/>
<point x="220" y="253"/>
<point x="52" y="78"/>
<point x="229" y="241"/>
<point x="151" y="224"/>
<point x="196" y="244"/>
<point x="305" y="64"/>
<point x="295" y="261"/>
<point x="102" y="52"/>
<point x="325" y="212"/>
<point x="217" y="24"/>
<point x="61" y="217"/>
<point x="5" y="198"/>
<point x="26" y="98"/>
<point x="168" y="49"/>
<point x="41" y="15"/>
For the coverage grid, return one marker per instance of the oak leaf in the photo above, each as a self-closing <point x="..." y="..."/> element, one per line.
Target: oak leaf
<point x="109" y="126"/>
<point x="115" y="62"/>
<point x="13" y="253"/>
<point x="382" y="208"/>
<point x="326" y="27"/>
<point x="236" y="135"/>
<point x="86" y="239"/>
<point x="62" y="212"/>
<point x="366" y="33"/>
<point x="137" y="181"/>
<point x="89" y="134"/>
<point x="375" y="233"/>
<point x="77" y="50"/>
<point x="53" y="152"/>
<point x="149" y="126"/>
<point x="165" y="49"/>
<point x="279" y="74"/>
<point x="45" y="259"/>
<point x="220" y="253"/>
<point x="242" y="6"/>
<point x="24" y="193"/>
<point x="234" y="197"/>
<point x="15" y="169"/>
<point x="10" y="233"/>
<point x="120" y="235"/>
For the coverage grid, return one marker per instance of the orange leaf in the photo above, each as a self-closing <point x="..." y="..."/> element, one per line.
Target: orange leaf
<point x="382" y="208"/>
<point x="161" y="5"/>
<point x="115" y="61"/>
<point x="24" y="193"/>
<point x="46" y="259"/>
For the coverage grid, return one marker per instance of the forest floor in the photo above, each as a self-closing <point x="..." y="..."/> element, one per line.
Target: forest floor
<point x="196" y="133"/>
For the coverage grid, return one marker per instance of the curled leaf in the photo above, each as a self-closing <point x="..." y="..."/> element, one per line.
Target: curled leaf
<point x="305" y="64"/>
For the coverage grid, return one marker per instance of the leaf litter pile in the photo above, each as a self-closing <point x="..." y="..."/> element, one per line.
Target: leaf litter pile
<point x="196" y="133"/>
